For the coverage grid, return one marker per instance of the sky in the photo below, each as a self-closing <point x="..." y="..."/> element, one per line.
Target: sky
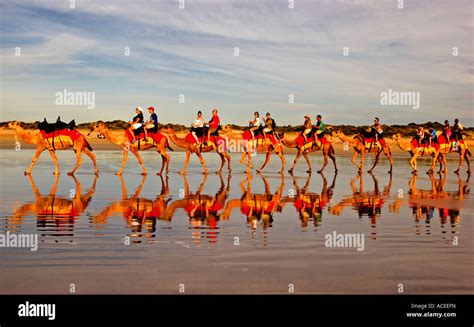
<point x="283" y="53"/>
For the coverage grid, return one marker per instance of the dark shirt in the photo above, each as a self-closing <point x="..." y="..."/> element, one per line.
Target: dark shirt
<point x="154" y="119"/>
<point x="139" y="117"/>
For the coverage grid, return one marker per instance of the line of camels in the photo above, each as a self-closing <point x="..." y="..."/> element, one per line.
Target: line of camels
<point x="250" y="146"/>
<point x="58" y="214"/>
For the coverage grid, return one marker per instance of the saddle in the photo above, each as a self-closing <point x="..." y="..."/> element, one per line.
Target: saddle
<point x="57" y="126"/>
<point x="58" y="132"/>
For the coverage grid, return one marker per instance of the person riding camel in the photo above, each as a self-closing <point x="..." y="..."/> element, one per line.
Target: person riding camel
<point x="136" y="123"/>
<point x="420" y="135"/>
<point x="269" y="125"/>
<point x="376" y="129"/>
<point x="254" y="124"/>
<point x="307" y="128"/>
<point x="457" y="130"/>
<point x="213" y="126"/>
<point x="197" y="127"/>
<point x="320" y="129"/>
<point x="433" y="137"/>
<point x="447" y="131"/>
<point x="152" y="123"/>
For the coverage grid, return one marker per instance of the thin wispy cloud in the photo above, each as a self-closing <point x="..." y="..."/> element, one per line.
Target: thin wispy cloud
<point x="282" y="51"/>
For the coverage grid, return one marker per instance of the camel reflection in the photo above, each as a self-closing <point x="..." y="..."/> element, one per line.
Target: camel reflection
<point x="204" y="210"/>
<point x="257" y="208"/>
<point x="310" y="205"/>
<point x="365" y="203"/>
<point x="140" y="214"/>
<point x="56" y="215"/>
<point x="425" y="202"/>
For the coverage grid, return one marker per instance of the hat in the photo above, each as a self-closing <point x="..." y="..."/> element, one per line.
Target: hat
<point x="152" y="108"/>
<point x="307" y="116"/>
<point x="140" y="108"/>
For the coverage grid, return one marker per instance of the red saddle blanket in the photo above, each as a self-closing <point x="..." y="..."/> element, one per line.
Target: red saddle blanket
<point x="300" y="140"/>
<point x="156" y="137"/>
<point x="73" y="134"/>
<point x="369" y="140"/>
<point x="247" y="136"/>
<point x="217" y="140"/>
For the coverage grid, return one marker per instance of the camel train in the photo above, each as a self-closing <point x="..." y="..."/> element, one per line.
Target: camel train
<point x="223" y="139"/>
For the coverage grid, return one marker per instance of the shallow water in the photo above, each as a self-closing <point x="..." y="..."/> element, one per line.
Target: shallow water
<point x="233" y="234"/>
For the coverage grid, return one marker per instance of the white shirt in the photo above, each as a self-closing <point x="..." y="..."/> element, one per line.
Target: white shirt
<point x="256" y="122"/>
<point x="198" y="123"/>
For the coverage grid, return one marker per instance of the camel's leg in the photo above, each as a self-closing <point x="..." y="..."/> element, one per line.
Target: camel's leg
<point x="466" y="156"/>
<point x="78" y="162"/>
<point x="388" y="154"/>
<point x="306" y="157"/>
<point x="267" y="160"/>
<point x="124" y="160"/>
<point x="140" y="160"/>
<point x="413" y="162"/>
<point x="362" y="154"/>
<point x="201" y="160"/>
<point x="186" y="162"/>
<point x="55" y="160"/>
<point x="92" y="156"/>
<point x="354" y="159"/>
<point x="433" y="164"/>
<point x="325" y="156"/>
<point x="222" y="162"/>
<point x="377" y="158"/>
<point x="298" y="155"/>
<point x="461" y="159"/>
<point x="283" y="161"/>
<point x="38" y="152"/>
<point x="227" y="156"/>
<point x="333" y="158"/>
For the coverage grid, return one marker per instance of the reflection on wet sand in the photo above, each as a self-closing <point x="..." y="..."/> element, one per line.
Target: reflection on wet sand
<point x="365" y="203"/>
<point x="140" y="214"/>
<point x="424" y="203"/>
<point x="56" y="215"/>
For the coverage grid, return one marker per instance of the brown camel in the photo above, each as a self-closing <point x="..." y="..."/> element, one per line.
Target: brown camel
<point x="416" y="152"/>
<point x="121" y="140"/>
<point x="251" y="147"/>
<point x="79" y="145"/>
<point x="327" y="149"/>
<point x="360" y="149"/>
<point x="184" y="142"/>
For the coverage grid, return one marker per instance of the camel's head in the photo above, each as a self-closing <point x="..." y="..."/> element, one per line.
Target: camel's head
<point x="167" y="129"/>
<point x="97" y="128"/>
<point x="13" y="124"/>
<point x="396" y="137"/>
<point x="337" y="133"/>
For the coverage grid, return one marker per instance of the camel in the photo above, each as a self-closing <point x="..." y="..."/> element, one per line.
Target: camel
<point x="190" y="147"/>
<point x="251" y="147"/>
<point x="416" y="152"/>
<point x="79" y="145"/>
<point x="303" y="150"/>
<point x="121" y="140"/>
<point x="360" y="149"/>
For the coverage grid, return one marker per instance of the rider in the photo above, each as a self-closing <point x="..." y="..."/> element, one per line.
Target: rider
<point x="420" y="135"/>
<point x="254" y="124"/>
<point x="307" y="127"/>
<point x="320" y="127"/>
<point x="447" y="131"/>
<point x="376" y="129"/>
<point x="197" y="126"/>
<point x="433" y="136"/>
<point x="136" y="123"/>
<point x="457" y="130"/>
<point x="152" y="123"/>
<point x="213" y="124"/>
<point x="269" y="125"/>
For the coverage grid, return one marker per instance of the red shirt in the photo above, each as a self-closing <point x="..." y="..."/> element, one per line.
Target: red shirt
<point x="215" y="121"/>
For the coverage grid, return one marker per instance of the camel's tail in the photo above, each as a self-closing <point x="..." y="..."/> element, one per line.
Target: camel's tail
<point x="331" y="150"/>
<point x="88" y="145"/>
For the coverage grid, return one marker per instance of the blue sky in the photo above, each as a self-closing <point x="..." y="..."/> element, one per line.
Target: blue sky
<point x="283" y="51"/>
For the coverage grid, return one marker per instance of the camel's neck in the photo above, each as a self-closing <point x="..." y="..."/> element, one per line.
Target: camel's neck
<point x="289" y="143"/>
<point x="181" y="142"/>
<point x="344" y="138"/>
<point x="24" y="135"/>
<point x="403" y="147"/>
<point x="111" y="137"/>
